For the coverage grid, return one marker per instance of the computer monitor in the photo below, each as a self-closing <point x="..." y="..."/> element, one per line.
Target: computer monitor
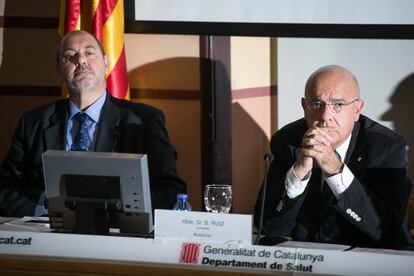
<point x="92" y="192"/>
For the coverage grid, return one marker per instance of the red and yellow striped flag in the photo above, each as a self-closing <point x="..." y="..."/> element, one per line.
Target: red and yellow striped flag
<point x="104" y="19"/>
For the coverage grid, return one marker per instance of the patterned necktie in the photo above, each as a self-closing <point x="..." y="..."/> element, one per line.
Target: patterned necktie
<point x="329" y="217"/>
<point x="81" y="141"/>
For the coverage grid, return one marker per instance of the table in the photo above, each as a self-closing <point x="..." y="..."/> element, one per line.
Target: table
<point x="44" y="253"/>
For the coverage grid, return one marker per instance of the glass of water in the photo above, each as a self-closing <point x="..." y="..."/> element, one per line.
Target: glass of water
<point x="218" y="198"/>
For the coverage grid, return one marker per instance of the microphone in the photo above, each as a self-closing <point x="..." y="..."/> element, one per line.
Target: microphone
<point x="268" y="157"/>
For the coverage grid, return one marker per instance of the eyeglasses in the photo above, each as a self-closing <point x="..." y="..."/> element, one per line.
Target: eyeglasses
<point x="336" y="106"/>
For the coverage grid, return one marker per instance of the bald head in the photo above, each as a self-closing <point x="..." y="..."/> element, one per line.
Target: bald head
<point x="332" y="102"/>
<point x="335" y="73"/>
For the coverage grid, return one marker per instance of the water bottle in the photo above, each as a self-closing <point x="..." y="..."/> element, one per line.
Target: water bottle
<point x="182" y="203"/>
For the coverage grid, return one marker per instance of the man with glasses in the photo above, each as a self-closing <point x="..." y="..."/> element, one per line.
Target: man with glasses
<point x="338" y="176"/>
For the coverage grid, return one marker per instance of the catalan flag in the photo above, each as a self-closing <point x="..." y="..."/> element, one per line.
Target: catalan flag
<point x="104" y="19"/>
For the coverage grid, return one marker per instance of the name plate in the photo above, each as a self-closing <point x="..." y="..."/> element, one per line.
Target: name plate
<point x="202" y="226"/>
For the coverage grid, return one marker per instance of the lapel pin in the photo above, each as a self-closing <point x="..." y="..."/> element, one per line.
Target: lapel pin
<point x="359" y="159"/>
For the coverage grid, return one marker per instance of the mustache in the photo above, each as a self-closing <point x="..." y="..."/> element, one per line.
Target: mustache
<point x="325" y="125"/>
<point x="83" y="69"/>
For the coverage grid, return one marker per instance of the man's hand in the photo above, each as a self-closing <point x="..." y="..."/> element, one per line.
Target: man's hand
<point x="316" y="148"/>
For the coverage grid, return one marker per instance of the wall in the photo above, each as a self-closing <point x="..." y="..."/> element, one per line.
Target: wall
<point x="253" y="115"/>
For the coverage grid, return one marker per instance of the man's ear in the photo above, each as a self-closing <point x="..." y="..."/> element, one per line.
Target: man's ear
<point x="359" y="105"/>
<point x="358" y="108"/>
<point x="303" y="104"/>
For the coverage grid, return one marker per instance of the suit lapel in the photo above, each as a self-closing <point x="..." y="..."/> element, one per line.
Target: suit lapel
<point x="54" y="134"/>
<point x="295" y="140"/>
<point x="108" y="133"/>
<point x="356" y="153"/>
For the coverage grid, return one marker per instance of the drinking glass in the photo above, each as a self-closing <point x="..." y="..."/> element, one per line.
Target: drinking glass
<point x="218" y="198"/>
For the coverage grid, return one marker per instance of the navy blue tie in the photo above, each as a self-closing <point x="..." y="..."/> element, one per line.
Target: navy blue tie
<point x="81" y="141"/>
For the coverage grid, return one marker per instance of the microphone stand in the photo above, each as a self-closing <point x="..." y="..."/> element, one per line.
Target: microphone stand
<point x="268" y="159"/>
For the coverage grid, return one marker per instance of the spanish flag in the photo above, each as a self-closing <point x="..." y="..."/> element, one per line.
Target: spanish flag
<point x="104" y="19"/>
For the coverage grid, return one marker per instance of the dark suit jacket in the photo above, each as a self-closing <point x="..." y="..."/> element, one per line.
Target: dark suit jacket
<point x="124" y="126"/>
<point x="378" y="194"/>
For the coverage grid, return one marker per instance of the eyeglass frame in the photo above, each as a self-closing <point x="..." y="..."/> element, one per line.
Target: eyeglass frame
<point x="323" y="104"/>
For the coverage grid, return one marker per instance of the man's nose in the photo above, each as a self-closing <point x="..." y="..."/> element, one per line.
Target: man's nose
<point x="326" y="113"/>
<point x="79" y="59"/>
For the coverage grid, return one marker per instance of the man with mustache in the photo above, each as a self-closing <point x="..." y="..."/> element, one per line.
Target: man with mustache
<point x="113" y="126"/>
<point x="338" y="176"/>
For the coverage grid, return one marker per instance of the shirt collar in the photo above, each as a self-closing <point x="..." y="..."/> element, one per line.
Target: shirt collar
<point x="342" y="149"/>
<point x="93" y="111"/>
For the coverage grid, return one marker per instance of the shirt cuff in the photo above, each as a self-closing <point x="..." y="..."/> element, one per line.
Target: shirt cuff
<point x="293" y="185"/>
<point x="40" y="209"/>
<point x="340" y="182"/>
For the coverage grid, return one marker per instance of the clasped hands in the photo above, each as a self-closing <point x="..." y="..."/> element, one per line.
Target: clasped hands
<point x="317" y="151"/>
